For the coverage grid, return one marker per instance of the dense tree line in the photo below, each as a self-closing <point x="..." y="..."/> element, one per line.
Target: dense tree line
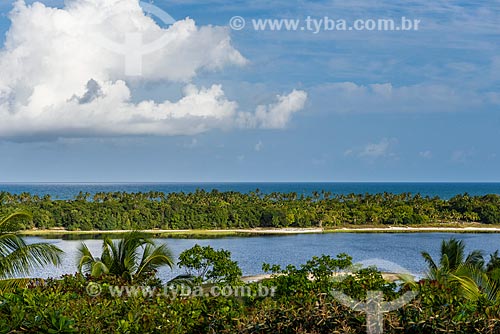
<point x="220" y="210"/>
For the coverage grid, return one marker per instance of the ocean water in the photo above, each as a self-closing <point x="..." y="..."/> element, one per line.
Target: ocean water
<point x="69" y="190"/>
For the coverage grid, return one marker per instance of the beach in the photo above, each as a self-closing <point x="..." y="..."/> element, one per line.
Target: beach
<point x="280" y="231"/>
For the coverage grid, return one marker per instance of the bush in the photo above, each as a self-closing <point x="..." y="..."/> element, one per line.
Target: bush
<point x="301" y="305"/>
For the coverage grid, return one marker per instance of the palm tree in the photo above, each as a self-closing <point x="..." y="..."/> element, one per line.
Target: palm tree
<point x="132" y="258"/>
<point x="481" y="281"/>
<point x="452" y="258"/>
<point x="493" y="266"/>
<point x="18" y="258"/>
<point x="474" y="278"/>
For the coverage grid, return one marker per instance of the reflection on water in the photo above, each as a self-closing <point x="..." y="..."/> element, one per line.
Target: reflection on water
<point x="401" y="248"/>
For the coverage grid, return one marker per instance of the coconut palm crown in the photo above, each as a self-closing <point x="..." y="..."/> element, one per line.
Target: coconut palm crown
<point x="132" y="258"/>
<point x="17" y="258"/>
<point x="452" y="257"/>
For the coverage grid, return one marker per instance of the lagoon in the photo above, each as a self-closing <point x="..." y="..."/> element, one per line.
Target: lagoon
<point x="401" y="248"/>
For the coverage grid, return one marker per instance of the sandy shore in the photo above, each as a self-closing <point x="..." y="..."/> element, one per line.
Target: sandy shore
<point x="391" y="277"/>
<point x="187" y="232"/>
<point x="422" y="229"/>
<point x="280" y="231"/>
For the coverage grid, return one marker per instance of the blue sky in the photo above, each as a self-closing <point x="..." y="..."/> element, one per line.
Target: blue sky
<point x="381" y="106"/>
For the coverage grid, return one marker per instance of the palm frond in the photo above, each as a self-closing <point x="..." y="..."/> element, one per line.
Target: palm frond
<point x="132" y="243"/>
<point x="129" y="258"/>
<point x="9" y="242"/>
<point x="99" y="268"/>
<point x="475" y="258"/>
<point x="18" y="258"/>
<point x="154" y="257"/>
<point x="85" y="259"/>
<point x="429" y="260"/>
<point x="474" y="282"/>
<point x="182" y="280"/>
<point x="25" y="258"/>
<point x="7" y="224"/>
<point x="11" y="284"/>
<point x="454" y="250"/>
<point x="494" y="262"/>
<point x="469" y="288"/>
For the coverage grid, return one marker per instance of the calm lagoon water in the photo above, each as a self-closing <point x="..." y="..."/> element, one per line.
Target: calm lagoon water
<point x="250" y="252"/>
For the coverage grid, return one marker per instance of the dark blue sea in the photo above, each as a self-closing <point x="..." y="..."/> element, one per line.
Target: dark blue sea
<point x="69" y="190"/>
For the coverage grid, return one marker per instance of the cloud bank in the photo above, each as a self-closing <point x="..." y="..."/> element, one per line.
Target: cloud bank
<point x="56" y="81"/>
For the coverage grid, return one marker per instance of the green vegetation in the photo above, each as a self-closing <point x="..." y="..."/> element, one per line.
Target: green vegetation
<point x="18" y="258"/>
<point x="452" y="259"/>
<point x="207" y="265"/>
<point x="233" y="210"/>
<point x="471" y="275"/>
<point x="134" y="258"/>
<point x="301" y="301"/>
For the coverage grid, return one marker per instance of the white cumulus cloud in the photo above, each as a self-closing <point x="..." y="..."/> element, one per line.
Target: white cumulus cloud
<point x="276" y="115"/>
<point x="57" y="79"/>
